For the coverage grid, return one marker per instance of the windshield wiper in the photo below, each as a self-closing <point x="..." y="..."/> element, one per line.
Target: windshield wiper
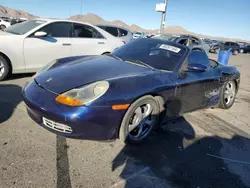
<point x="141" y="63"/>
<point x="114" y="56"/>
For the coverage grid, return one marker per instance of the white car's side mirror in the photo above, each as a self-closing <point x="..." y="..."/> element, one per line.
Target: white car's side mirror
<point x="40" y="34"/>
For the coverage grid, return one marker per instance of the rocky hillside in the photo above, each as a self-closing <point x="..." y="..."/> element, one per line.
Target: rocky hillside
<point x="94" y="19"/>
<point x="8" y="12"/>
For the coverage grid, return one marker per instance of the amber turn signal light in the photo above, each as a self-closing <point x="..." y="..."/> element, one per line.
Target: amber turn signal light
<point x="120" y="107"/>
<point x="68" y="101"/>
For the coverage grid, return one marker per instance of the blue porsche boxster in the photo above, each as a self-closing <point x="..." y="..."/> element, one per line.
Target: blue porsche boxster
<point x="126" y="93"/>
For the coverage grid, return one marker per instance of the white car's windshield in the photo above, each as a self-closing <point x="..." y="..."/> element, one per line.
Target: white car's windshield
<point x="22" y="28"/>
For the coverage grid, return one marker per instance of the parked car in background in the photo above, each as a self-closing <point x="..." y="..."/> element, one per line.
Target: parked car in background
<point x="247" y="48"/>
<point x="17" y="20"/>
<point x="150" y="35"/>
<point x="215" y="47"/>
<point x="143" y="81"/>
<point x="5" y="18"/>
<point x="243" y="46"/>
<point x="4" y="24"/>
<point x="187" y="40"/>
<point x="207" y="41"/>
<point x="123" y="34"/>
<point x="137" y="35"/>
<point x="28" y="46"/>
<point x="233" y="47"/>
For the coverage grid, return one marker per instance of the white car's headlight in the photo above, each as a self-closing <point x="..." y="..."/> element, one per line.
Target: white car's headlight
<point x="83" y="95"/>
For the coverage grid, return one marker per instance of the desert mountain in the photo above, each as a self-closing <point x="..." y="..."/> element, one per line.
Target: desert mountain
<point x="94" y="19"/>
<point x="8" y="12"/>
<point x="90" y="18"/>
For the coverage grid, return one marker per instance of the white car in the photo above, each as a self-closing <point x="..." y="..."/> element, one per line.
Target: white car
<point x="4" y="24"/>
<point x="28" y="46"/>
<point x="137" y="35"/>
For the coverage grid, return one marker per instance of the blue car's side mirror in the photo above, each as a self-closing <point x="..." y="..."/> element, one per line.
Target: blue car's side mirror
<point x="196" y="67"/>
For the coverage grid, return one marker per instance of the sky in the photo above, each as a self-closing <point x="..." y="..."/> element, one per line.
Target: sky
<point x="224" y="18"/>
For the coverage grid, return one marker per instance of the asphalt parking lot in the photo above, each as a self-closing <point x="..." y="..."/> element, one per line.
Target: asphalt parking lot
<point x="208" y="148"/>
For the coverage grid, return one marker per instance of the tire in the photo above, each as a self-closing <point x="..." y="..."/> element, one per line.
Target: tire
<point x="235" y="52"/>
<point x="4" y="68"/>
<point x="132" y="136"/>
<point x="241" y="51"/>
<point x="227" y="103"/>
<point x="2" y="27"/>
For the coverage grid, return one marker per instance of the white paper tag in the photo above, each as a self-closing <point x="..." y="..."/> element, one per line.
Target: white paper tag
<point x="170" y="48"/>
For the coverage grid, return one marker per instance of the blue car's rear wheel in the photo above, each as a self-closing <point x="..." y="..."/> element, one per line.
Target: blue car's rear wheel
<point x="140" y="120"/>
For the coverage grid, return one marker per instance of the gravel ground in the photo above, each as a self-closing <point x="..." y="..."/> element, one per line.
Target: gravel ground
<point x="208" y="148"/>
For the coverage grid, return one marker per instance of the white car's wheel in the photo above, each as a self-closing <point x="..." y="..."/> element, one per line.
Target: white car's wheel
<point x="241" y="51"/>
<point x="4" y="68"/>
<point x="2" y="27"/>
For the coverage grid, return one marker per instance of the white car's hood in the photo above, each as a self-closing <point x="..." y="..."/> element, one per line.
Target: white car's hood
<point x="9" y="35"/>
<point x="4" y="33"/>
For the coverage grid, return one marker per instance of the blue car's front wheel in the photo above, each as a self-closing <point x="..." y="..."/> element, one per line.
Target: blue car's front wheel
<point x="140" y="120"/>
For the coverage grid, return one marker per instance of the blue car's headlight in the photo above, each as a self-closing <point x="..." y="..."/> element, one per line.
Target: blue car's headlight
<point x="83" y="95"/>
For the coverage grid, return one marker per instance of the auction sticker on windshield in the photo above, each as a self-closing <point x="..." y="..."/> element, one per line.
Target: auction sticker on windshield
<point x="170" y="48"/>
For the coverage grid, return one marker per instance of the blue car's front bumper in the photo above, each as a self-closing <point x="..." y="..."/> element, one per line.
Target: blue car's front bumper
<point x="93" y="123"/>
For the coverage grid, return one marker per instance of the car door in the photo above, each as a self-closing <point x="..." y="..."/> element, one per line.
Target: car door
<point x="212" y="84"/>
<point x="192" y="86"/>
<point x="38" y="51"/>
<point x="247" y="49"/>
<point x="232" y="46"/>
<point x="87" y="40"/>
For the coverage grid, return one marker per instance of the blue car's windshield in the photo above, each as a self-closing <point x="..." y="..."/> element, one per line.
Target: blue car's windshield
<point x="159" y="54"/>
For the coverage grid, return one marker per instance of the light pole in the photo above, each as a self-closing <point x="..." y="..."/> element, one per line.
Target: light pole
<point x="162" y="7"/>
<point x="163" y="17"/>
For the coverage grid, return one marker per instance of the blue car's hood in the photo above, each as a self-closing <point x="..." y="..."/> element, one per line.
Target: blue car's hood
<point x="75" y="74"/>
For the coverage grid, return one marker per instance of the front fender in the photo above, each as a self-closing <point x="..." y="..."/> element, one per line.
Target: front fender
<point x="126" y="90"/>
<point x="13" y="49"/>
